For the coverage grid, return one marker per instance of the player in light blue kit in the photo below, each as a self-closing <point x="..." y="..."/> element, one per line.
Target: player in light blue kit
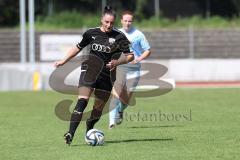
<point x="123" y="89"/>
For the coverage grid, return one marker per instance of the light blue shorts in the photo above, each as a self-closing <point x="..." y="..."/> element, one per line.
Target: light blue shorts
<point x="128" y="76"/>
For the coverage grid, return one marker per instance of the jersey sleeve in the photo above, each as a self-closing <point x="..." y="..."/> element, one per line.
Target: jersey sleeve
<point x="86" y="39"/>
<point x="124" y="45"/>
<point x="144" y="43"/>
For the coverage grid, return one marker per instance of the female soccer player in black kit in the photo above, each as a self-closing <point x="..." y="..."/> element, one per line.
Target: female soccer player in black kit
<point x="97" y="74"/>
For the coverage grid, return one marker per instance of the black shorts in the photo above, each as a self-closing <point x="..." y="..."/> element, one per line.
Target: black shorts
<point x="91" y="77"/>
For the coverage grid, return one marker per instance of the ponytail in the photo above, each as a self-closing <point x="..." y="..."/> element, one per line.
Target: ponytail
<point x="109" y="10"/>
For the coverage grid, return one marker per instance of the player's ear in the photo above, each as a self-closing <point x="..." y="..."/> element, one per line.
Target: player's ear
<point x="101" y="20"/>
<point x="121" y="20"/>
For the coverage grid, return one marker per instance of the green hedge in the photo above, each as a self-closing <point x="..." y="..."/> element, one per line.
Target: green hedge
<point x="75" y="20"/>
<point x="66" y="20"/>
<point x="195" y="21"/>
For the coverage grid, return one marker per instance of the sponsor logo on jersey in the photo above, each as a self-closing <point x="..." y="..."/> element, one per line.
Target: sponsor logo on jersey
<point x="111" y="40"/>
<point x="101" y="48"/>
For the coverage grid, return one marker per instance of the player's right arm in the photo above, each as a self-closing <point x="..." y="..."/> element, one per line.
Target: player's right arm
<point x="70" y="54"/>
<point x="75" y="50"/>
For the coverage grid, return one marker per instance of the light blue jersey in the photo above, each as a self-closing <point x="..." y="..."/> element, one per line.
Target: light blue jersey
<point x="139" y="43"/>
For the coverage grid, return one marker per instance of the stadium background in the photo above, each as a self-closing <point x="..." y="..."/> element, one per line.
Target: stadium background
<point x="191" y="53"/>
<point x="205" y="58"/>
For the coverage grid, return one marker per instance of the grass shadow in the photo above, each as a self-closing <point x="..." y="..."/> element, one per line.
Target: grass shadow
<point x="139" y="140"/>
<point x="162" y="126"/>
<point x="77" y="145"/>
<point x="128" y="141"/>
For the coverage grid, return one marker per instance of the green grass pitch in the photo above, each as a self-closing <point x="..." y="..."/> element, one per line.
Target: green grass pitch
<point x="185" y="124"/>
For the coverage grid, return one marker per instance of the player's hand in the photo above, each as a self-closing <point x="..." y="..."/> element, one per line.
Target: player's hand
<point x="59" y="63"/>
<point x="136" y="61"/>
<point x="112" y="64"/>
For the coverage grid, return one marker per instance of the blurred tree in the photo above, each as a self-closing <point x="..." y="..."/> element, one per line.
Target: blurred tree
<point x="48" y="7"/>
<point x="131" y="5"/>
<point x="84" y="6"/>
<point x="224" y="8"/>
<point x="9" y="13"/>
<point x="237" y="4"/>
<point x="139" y="9"/>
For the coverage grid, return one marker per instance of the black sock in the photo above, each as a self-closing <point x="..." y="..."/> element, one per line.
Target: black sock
<point x="77" y="115"/>
<point x="91" y="123"/>
<point x="94" y="118"/>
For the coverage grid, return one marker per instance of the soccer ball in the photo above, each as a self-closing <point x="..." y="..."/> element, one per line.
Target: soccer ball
<point x="94" y="137"/>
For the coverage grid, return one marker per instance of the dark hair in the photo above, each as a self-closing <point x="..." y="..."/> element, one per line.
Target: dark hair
<point x="127" y="12"/>
<point x="109" y="10"/>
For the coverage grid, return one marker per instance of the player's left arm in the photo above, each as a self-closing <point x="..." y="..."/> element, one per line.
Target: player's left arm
<point x="123" y="59"/>
<point x="144" y="55"/>
<point x="126" y="56"/>
<point x="146" y="49"/>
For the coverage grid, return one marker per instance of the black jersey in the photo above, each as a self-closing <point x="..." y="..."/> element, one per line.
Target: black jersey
<point x="105" y="46"/>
